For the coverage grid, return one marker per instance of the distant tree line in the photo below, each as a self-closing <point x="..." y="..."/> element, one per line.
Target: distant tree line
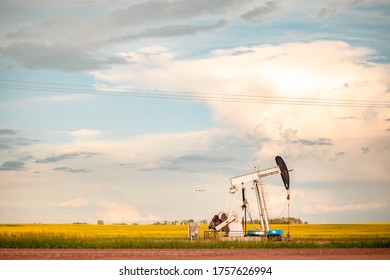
<point x="165" y="222"/>
<point x="282" y="220"/>
<point x="182" y="222"/>
<point x="285" y="220"/>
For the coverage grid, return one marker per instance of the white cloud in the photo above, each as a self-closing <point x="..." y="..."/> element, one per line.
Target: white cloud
<point x="123" y="213"/>
<point x="319" y="71"/>
<point x="147" y="151"/>
<point x="84" y="133"/>
<point x="172" y="11"/>
<point x="142" y="152"/>
<point x="335" y="9"/>
<point x="74" y="203"/>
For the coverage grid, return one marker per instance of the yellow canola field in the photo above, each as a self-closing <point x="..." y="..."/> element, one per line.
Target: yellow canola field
<point x="180" y="231"/>
<point x="337" y="230"/>
<point x="102" y="231"/>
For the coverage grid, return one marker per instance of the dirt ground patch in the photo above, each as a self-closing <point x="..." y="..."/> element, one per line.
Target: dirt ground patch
<point x="196" y="254"/>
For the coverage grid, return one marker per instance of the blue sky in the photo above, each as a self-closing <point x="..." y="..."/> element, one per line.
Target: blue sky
<point x="120" y="110"/>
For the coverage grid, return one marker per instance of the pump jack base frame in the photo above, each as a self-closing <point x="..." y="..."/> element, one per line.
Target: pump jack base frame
<point x="220" y="235"/>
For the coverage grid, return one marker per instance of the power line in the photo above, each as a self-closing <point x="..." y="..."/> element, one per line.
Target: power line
<point x="185" y="95"/>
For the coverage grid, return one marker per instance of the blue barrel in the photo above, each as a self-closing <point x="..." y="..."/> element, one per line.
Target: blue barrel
<point x="275" y="232"/>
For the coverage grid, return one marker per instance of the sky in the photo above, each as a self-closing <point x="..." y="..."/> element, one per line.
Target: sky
<point x="122" y="111"/>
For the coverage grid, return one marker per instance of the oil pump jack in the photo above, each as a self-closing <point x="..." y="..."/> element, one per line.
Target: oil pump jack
<point x="223" y="221"/>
